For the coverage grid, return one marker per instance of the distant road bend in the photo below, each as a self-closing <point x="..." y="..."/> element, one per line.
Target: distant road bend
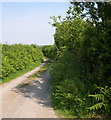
<point x="31" y="101"/>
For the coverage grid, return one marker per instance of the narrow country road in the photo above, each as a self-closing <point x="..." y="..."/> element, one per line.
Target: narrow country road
<point x="30" y="101"/>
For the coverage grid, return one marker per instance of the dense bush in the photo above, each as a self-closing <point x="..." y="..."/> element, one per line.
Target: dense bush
<point x="18" y="57"/>
<point x="49" y="51"/>
<point x="70" y="93"/>
<point x="81" y="74"/>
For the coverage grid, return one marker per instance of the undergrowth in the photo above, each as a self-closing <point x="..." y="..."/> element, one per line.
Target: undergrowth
<point x="70" y="91"/>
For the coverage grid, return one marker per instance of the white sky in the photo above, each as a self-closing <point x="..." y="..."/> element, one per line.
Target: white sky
<point x="27" y="22"/>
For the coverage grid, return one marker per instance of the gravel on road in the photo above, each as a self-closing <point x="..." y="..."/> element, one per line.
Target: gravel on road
<point x="28" y="101"/>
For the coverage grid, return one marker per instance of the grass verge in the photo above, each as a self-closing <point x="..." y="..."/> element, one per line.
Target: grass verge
<point x="23" y="85"/>
<point x="42" y="70"/>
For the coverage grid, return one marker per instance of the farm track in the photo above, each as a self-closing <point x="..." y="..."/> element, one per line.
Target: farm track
<point x="30" y="101"/>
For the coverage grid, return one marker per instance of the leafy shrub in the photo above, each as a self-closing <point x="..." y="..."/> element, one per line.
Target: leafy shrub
<point x="70" y="93"/>
<point x="50" y="51"/>
<point x="18" y="57"/>
<point x="88" y="43"/>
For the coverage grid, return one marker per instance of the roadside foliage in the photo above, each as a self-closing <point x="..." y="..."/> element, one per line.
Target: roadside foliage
<point x="19" y="57"/>
<point x="49" y="51"/>
<point x="81" y="74"/>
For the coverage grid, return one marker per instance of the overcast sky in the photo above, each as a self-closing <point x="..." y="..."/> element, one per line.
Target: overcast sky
<point x="27" y="22"/>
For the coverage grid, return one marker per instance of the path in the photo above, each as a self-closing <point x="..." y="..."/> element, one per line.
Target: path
<point x="31" y="101"/>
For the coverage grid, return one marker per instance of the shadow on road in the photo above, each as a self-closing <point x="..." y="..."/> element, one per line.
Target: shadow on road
<point x="39" y="90"/>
